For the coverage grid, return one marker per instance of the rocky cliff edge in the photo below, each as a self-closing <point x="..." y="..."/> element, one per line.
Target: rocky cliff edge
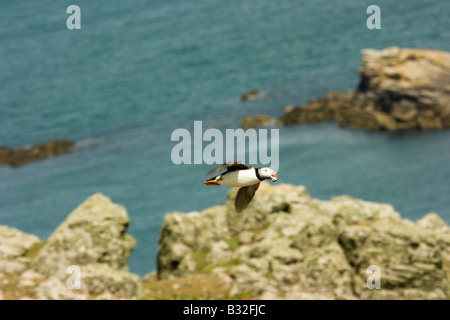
<point x="285" y="245"/>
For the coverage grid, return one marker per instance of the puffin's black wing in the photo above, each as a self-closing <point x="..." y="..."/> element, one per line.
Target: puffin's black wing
<point x="229" y="166"/>
<point x="244" y="196"/>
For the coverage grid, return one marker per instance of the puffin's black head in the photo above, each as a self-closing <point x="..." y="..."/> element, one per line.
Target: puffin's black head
<point x="267" y="173"/>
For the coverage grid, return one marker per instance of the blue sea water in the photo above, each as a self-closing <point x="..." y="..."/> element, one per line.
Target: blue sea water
<point x="137" y="70"/>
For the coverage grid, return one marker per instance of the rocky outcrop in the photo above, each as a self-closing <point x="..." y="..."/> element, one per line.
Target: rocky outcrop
<point x="286" y="245"/>
<point x="21" y="156"/>
<point x="399" y="89"/>
<point x="328" y="108"/>
<point x="91" y="243"/>
<point x="97" y="230"/>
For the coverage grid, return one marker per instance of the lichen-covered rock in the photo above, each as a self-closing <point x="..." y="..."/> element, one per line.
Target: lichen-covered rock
<point x="285" y="245"/>
<point x="186" y="232"/>
<point x="102" y="280"/>
<point x="30" y="278"/>
<point x="54" y="288"/>
<point x="97" y="281"/>
<point x="15" y="249"/>
<point x="94" y="233"/>
<point x="407" y="257"/>
<point x="85" y="258"/>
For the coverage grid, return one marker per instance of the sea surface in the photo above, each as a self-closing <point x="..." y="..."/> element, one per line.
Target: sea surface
<point x="138" y="70"/>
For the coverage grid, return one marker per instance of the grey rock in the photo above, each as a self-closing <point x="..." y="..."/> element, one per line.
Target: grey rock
<point x="94" y="233"/>
<point x="309" y="249"/>
<point x="15" y="247"/>
<point x="90" y="249"/>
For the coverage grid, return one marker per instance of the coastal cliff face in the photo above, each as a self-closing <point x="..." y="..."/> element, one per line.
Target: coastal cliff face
<point x="399" y="89"/>
<point x="285" y="245"/>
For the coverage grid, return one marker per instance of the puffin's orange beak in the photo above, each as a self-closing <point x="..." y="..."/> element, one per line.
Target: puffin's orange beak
<point x="274" y="177"/>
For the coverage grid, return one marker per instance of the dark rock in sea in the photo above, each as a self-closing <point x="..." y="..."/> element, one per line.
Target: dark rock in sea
<point x="21" y="156"/>
<point x="399" y="89"/>
<point x="252" y="95"/>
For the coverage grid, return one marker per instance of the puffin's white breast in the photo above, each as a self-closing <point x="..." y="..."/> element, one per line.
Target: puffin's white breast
<point x="239" y="178"/>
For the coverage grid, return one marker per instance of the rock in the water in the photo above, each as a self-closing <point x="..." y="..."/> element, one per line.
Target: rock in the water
<point x="258" y="120"/>
<point x="399" y="89"/>
<point x="286" y="245"/>
<point x="327" y="108"/>
<point x="252" y="95"/>
<point x="18" y="157"/>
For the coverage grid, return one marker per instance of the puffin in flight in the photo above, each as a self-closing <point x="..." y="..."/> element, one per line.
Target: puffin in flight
<point x="241" y="175"/>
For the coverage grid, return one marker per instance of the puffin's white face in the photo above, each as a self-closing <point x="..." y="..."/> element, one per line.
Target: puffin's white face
<point x="267" y="173"/>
